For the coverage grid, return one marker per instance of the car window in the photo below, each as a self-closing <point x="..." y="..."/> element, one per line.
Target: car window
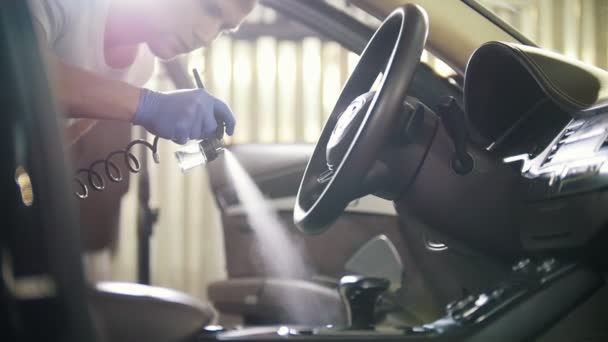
<point x="274" y="72"/>
<point x="575" y="28"/>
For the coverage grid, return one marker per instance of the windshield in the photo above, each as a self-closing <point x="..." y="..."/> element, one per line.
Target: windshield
<point x="575" y="28"/>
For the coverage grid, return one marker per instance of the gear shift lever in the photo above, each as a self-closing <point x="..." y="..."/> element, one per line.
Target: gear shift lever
<point x="360" y="295"/>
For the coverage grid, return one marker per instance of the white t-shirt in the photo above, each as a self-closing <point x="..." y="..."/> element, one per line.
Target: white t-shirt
<point x="75" y="31"/>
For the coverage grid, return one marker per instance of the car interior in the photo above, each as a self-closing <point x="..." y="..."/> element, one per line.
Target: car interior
<point x="463" y="208"/>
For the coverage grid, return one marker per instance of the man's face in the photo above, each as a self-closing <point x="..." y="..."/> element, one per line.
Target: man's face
<point x="181" y="26"/>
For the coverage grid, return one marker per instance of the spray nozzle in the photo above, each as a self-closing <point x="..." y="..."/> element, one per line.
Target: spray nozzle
<point x="212" y="147"/>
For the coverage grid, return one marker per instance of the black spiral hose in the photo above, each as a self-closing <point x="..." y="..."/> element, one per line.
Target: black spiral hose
<point x="95" y="179"/>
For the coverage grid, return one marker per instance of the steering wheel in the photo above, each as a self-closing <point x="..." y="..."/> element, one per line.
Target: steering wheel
<point x="362" y="120"/>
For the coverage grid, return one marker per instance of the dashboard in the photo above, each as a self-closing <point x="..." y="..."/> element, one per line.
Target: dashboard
<point x="538" y="136"/>
<point x="575" y="162"/>
<point x="546" y="117"/>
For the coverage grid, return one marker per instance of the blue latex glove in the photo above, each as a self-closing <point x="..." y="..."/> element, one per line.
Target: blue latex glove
<point x="182" y="115"/>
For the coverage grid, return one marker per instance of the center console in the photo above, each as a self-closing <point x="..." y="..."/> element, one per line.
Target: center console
<point x="535" y="296"/>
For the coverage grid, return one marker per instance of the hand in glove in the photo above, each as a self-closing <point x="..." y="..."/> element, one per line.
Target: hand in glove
<point x="182" y="115"/>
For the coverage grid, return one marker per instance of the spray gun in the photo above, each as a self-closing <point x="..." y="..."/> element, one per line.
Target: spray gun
<point x="189" y="157"/>
<point x="207" y="149"/>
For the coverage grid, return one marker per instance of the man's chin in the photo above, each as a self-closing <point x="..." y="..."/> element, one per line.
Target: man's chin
<point x="165" y="53"/>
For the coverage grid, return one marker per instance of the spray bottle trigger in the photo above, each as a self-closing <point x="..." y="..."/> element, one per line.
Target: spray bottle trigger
<point x="221" y="127"/>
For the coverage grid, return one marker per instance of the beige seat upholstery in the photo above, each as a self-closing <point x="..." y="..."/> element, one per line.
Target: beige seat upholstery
<point x="134" y="312"/>
<point x="278" y="301"/>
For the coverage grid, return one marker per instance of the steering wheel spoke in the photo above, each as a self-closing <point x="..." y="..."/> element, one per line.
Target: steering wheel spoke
<point x="325" y="177"/>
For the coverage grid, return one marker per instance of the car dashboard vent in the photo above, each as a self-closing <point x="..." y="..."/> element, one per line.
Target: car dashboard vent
<point x="562" y="140"/>
<point x="604" y="144"/>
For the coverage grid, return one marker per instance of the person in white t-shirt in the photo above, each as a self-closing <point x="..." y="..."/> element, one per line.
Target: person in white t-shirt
<point x="102" y="52"/>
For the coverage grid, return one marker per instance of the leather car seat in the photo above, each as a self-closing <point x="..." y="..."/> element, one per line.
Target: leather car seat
<point x="134" y="312"/>
<point x="278" y="301"/>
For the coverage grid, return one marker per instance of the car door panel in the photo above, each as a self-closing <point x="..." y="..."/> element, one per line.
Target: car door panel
<point x="277" y="169"/>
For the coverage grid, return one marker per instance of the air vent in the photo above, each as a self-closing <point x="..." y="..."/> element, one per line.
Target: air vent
<point x="604" y="144"/>
<point x="568" y="132"/>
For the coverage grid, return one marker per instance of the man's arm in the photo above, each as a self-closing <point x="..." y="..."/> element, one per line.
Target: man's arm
<point x="85" y="95"/>
<point x="88" y="96"/>
<point x="179" y="116"/>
